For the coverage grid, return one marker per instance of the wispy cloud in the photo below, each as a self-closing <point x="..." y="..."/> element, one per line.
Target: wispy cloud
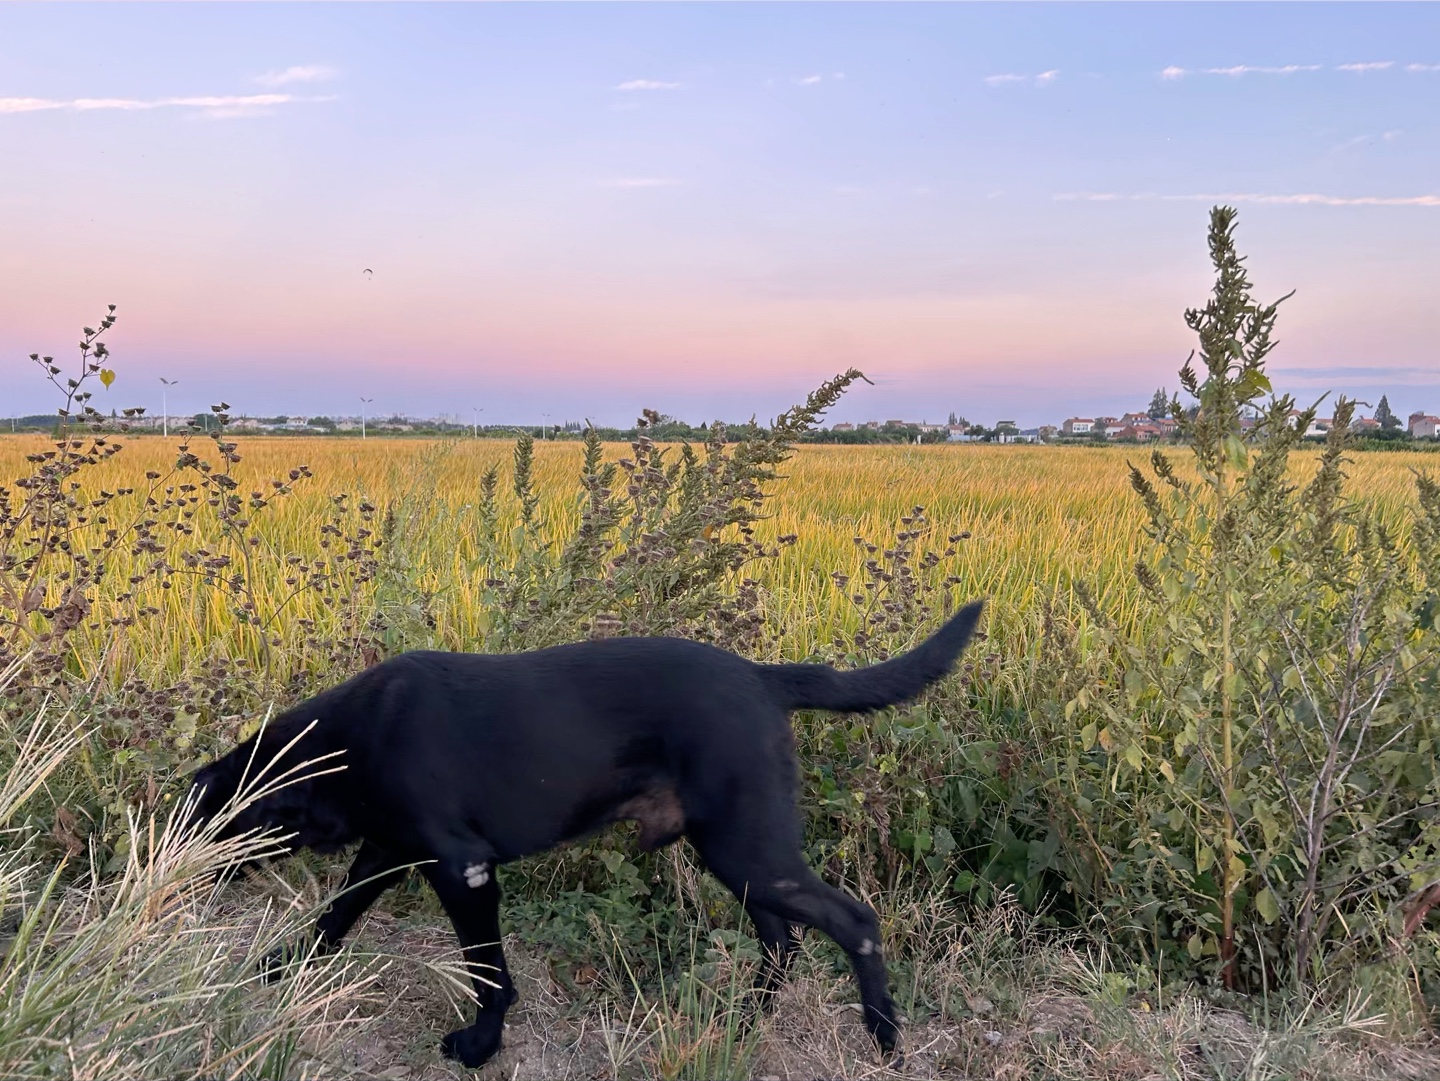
<point x="1235" y="71"/>
<point x="218" y="106"/>
<point x="1044" y="78"/>
<point x="808" y="80"/>
<point x="1298" y="199"/>
<point x="303" y="73"/>
<point x="647" y="84"/>
<point x="640" y="182"/>
<point x="1362" y="140"/>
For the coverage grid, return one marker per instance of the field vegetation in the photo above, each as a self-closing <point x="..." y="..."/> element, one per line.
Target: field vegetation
<point x="1177" y="816"/>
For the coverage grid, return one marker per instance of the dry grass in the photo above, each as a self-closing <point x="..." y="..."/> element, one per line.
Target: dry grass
<point x="994" y="999"/>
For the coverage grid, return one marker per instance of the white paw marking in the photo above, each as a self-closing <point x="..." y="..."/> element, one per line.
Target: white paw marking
<point x="867" y="948"/>
<point x="786" y="884"/>
<point x="476" y="875"/>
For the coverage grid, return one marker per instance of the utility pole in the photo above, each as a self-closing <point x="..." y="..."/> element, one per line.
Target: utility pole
<point x="363" y="403"/>
<point x="165" y="406"/>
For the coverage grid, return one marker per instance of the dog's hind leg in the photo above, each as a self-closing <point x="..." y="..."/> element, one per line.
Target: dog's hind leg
<point x="472" y="901"/>
<point x="779" y="939"/>
<point x="750" y="852"/>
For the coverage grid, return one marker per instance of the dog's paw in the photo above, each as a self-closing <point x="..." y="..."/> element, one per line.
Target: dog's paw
<point x="273" y="965"/>
<point x="886" y="1033"/>
<point x="473" y="1046"/>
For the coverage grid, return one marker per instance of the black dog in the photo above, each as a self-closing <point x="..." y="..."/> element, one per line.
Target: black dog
<point x="459" y="762"/>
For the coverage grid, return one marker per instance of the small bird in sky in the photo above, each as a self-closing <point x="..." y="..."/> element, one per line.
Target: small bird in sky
<point x="369" y="273"/>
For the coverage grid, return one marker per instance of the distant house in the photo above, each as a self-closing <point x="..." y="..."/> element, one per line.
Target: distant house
<point x="1107" y="422"/>
<point x="957" y="431"/>
<point x="873" y="425"/>
<point x="1047" y="432"/>
<point x="1140" y="432"/>
<point x="1364" y="425"/>
<point x="245" y="424"/>
<point x="845" y="426"/>
<point x="1167" y="425"/>
<point x="1113" y="430"/>
<point x="1135" y="418"/>
<point x="1319" y="426"/>
<point x="1078" y="426"/>
<point x="1424" y="426"/>
<point x="894" y="424"/>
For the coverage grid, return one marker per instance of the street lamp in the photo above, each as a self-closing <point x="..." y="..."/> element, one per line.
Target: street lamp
<point x="364" y="402"/>
<point x="475" y="421"/>
<point x="545" y="425"/>
<point x="165" y="406"/>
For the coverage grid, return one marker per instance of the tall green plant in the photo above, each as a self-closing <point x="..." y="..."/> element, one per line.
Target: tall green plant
<point x="1268" y="742"/>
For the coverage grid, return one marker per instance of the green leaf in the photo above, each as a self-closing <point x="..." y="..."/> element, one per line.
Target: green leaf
<point x="944" y="841"/>
<point x="1235" y="452"/>
<point x="1267" y="906"/>
<point x="1087" y="736"/>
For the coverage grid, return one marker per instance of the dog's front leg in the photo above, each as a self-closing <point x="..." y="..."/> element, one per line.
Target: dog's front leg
<point x="471" y="897"/>
<point x="371" y="873"/>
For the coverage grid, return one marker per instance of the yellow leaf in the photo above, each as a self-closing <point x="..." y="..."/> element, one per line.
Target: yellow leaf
<point x="107" y="376"/>
<point x="1237" y="870"/>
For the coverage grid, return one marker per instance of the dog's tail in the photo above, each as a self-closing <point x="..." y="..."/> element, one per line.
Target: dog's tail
<point x="818" y="686"/>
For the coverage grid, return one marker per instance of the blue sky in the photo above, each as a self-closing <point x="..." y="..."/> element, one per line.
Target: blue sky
<point x="585" y="209"/>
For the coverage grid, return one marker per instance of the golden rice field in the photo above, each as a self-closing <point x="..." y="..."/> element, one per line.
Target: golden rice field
<point x="1039" y="516"/>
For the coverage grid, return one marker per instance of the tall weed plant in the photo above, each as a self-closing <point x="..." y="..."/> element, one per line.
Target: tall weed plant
<point x="1253" y="780"/>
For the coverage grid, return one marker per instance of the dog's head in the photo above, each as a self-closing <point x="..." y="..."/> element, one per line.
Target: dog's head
<point x="246" y="789"/>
